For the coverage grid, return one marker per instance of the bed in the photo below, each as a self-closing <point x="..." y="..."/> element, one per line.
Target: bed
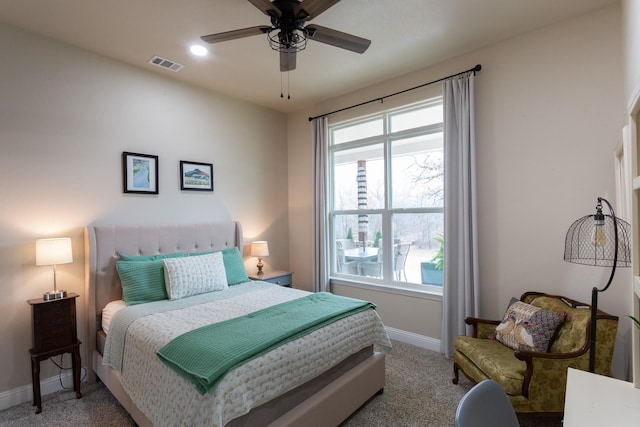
<point x="275" y="388"/>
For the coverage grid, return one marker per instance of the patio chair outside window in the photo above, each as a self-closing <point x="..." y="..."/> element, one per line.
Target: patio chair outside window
<point x="371" y="268"/>
<point x="400" y="259"/>
<point x="348" y="267"/>
<point x="345" y="243"/>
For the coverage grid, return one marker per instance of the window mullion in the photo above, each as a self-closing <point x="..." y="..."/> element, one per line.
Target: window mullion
<point x="387" y="261"/>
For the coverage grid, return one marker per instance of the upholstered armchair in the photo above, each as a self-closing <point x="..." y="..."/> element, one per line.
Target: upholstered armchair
<point x="535" y="381"/>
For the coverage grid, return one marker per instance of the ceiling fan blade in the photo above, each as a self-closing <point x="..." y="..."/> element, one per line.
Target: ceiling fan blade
<point x="266" y="7"/>
<point x="236" y="34"/>
<point x="287" y="60"/>
<point x="337" y="38"/>
<point x="309" y="9"/>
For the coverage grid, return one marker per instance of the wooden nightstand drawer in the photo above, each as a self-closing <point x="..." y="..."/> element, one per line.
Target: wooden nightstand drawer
<point x="56" y="337"/>
<point x="48" y="319"/>
<point x="55" y="311"/>
<point x="282" y="280"/>
<point x="278" y="277"/>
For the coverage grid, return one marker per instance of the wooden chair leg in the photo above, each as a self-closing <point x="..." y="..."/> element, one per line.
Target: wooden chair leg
<point x="456" y="376"/>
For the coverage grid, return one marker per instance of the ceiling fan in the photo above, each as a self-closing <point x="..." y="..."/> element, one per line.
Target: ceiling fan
<point x="288" y="34"/>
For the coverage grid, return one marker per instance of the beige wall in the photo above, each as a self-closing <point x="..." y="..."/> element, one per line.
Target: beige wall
<point x="549" y="113"/>
<point x="66" y="116"/>
<point x="403" y="312"/>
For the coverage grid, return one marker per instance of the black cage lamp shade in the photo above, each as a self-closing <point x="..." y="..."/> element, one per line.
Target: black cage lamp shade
<point x="603" y="241"/>
<point x="591" y="240"/>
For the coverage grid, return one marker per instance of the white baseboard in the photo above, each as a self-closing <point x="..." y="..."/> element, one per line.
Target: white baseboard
<point x="414" y="339"/>
<point x="24" y="394"/>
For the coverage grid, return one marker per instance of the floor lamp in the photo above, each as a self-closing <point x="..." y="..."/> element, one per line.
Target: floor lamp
<point x="600" y="240"/>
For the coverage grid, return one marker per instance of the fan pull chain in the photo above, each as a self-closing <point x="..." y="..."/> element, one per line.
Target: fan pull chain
<point x="288" y="86"/>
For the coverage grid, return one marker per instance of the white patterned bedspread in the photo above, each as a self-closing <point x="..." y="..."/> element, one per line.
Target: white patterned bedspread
<point x="169" y="400"/>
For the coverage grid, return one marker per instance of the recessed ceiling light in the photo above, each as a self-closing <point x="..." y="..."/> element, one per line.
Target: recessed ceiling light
<point x="198" y="50"/>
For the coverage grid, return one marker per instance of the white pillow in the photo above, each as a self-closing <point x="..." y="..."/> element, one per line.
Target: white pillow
<point x="194" y="275"/>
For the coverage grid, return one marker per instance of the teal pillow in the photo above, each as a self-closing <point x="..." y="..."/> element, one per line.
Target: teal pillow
<point x="150" y="257"/>
<point x="234" y="266"/>
<point x="142" y="281"/>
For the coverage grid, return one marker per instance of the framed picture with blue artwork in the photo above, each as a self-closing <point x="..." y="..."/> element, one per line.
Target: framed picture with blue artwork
<point x="140" y="173"/>
<point x="196" y="176"/>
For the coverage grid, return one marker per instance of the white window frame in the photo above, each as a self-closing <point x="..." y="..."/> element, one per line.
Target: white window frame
<point x="387" y="282"/>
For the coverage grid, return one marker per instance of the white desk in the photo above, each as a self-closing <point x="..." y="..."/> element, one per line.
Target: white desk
<point x="596" y="400"/>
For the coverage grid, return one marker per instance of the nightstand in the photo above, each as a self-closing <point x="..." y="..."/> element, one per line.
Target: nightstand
<point x="279" y="277"/>
<point x="54" y="332"/>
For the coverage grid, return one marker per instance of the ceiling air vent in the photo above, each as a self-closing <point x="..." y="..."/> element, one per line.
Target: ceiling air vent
<point x="166" y="63"/>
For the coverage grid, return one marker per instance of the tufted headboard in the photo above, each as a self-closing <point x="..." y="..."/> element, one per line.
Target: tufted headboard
<point x="104" y="244"/>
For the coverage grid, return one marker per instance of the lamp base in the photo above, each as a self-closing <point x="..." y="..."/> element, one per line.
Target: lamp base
<point x="54" y="295"/>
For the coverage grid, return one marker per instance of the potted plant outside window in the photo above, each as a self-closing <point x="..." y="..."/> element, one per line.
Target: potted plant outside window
<point x="431" y="272"/>
<point x="376" y="242"/>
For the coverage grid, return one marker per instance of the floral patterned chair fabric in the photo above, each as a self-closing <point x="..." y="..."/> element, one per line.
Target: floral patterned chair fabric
<point x="536" y="381"/>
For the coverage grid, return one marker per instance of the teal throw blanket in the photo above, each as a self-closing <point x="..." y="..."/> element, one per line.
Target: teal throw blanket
<point x="203" y="356"/>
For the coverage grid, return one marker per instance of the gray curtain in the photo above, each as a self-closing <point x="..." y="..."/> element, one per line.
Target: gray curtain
<point x="460" y="291"/>
<point x="320" y="249"/>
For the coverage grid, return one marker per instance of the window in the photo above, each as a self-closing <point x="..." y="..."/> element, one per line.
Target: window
<point x="386" y="197"/>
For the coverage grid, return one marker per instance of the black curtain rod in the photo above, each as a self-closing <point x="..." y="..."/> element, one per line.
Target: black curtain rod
<point x="474" y="70"/>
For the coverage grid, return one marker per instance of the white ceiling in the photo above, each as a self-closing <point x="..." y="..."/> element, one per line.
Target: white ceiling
<point x="406" y="35"/>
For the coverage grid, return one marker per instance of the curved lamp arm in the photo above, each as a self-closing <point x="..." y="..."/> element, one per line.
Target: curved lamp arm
<point x="615" y="240"/>
<point x="595" y="290"/>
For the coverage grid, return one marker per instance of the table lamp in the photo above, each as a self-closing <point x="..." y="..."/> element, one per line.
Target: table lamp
<point x="53" y="252"/>
<point x="600" y="240"/>
<point x="260" y="249"/>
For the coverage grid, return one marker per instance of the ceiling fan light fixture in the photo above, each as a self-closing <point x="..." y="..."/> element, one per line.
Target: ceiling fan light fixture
<point x="292" y="42"/>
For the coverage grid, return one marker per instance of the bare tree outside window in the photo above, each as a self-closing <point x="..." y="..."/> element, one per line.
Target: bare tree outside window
<point x="428" y="176"/>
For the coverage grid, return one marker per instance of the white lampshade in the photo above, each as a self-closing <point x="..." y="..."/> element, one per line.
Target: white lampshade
<point x="260" y="248"/>
<point x="54" y="251"/>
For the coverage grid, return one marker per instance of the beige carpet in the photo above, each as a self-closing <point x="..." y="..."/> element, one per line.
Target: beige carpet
<point x="418" y="392"/>
<point x="97" y="407"/>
